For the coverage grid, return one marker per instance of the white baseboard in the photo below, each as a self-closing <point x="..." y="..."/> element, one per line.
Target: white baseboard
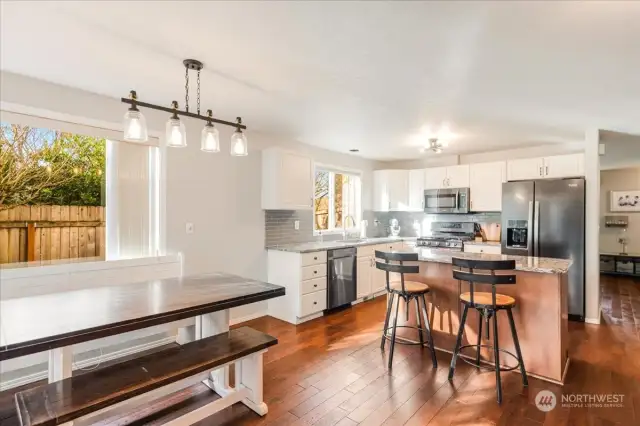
<point x="89" y="362"/>
<point x="595" y="321"/>
<point x="234" y="321"/>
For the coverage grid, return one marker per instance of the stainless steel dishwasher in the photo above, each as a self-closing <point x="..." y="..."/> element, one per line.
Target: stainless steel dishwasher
<point x="341" y="271"/>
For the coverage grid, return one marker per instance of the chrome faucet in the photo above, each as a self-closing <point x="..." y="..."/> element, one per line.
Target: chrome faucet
<point x="344" y="226"/>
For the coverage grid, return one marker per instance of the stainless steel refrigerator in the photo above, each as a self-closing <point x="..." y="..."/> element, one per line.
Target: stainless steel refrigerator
<point x="545" y="218"/>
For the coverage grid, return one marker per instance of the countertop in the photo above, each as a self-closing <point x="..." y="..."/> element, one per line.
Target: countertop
<point x="482" y="243"/>
<point x="523" y="263"/>
<point x="330" y="245"/>
<point x="620" y="254"/>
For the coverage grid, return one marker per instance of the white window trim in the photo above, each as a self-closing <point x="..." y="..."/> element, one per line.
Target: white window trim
<point x="346" y="171"/>
<point x="10" y="108"/>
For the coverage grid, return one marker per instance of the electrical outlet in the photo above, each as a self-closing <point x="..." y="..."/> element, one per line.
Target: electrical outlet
<point x="296" y="225"/>
<point x="189" y="228"/>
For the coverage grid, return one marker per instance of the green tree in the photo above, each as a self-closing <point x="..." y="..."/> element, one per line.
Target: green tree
<point x="41" y="166"/>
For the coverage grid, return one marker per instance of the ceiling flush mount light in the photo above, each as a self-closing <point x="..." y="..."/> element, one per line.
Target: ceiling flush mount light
<point x="135" y="126"/>
<point x="239" y="141"/>
<point x="436" y="146"/>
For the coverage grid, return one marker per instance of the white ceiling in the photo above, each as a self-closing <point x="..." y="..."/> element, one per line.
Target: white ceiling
<point x="344" y="75"/>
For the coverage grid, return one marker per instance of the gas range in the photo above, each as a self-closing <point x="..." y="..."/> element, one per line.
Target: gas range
<point x="448" y="235"/>
<point x="449" y="243"/>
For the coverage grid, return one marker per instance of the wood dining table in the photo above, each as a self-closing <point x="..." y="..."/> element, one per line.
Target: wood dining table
<point x="55" y="322"/>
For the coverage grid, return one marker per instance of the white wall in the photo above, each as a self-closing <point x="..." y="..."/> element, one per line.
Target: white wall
<point x="218" y="193"/>
<point x="621" y="150"/>
<point x="627" y="179"/>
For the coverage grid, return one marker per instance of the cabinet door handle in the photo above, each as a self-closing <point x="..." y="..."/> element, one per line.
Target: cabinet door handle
<point x="315" y="285"/>
<point x="540" y="170"/>
<point x="315" y="257"/>
<point x="315" y="272"/>
<point x="546" y="170"/>
<point x="315" y="303"/>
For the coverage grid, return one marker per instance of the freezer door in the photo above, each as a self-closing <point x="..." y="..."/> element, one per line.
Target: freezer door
<point x="559" y="230"/>
<point x="517" y="218"/>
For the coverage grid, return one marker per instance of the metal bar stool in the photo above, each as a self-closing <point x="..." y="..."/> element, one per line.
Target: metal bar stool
<point x="487" y="305"/>
<point x="407" y="290"/>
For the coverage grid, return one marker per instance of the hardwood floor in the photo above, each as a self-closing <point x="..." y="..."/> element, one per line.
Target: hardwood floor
<point x="330" y="371"/>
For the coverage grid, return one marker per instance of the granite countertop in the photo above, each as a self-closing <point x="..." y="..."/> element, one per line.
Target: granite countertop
<point x="330" y="245"/>
<point x="523" y="263"/>
<point x="482" y="243"/>
<point x="620" y="254"/>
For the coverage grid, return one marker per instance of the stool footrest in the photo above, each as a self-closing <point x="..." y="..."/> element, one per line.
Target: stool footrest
<point x="402" y="340"/>
<point x="472" y="362"/>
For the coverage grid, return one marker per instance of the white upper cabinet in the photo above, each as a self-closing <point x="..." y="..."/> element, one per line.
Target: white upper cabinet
<point x="435" y="177"/>
<point x="446" y="177"/>
<point x="416" y="190"/>
<point x="458" y="176"/>
<point x="287" y="180"/>
<point x="391" y="190"/>
<point x="557" y="166"/>
<point x="486" y="186"/>
<point x="525" y="169"/>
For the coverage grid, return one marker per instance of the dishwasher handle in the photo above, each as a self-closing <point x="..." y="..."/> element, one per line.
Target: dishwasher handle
<point x="343" y="252"/>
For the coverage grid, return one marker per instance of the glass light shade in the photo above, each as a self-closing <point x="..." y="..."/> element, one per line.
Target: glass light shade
<point x="239" y="144"/>
<point x="176" y="133"/>
<point x="135" y="126"/>
<point x="210" y="139"/>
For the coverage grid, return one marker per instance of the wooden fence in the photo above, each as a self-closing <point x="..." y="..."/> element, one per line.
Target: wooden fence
<point x="33" y="233"/>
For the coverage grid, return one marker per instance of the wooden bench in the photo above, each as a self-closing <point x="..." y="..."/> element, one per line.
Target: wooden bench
<point x="146" y="378"/>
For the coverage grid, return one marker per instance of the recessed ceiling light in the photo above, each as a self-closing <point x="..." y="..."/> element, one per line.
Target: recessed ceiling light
<point x="354" y="150"/>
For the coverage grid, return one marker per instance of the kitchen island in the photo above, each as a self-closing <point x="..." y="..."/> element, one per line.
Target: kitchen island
<point x="540" y="314"/>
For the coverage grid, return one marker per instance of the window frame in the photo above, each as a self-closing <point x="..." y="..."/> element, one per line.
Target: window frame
<point x="38" y="117"/>
<point x="332" y="171"/>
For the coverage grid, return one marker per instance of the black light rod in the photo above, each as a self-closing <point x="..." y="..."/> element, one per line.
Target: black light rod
<point x="186" y="114"/>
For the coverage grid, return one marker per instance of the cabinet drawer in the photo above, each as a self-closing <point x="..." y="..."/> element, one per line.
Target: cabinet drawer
<point x="366" y="251"/>
<point x="390" y="246"/>
<point x="315" y="284"/>
<point x="313" y="302"/>
<point x="314" y="271"/>
<point x="314" y="258"/>
<point x="474" y="248"/>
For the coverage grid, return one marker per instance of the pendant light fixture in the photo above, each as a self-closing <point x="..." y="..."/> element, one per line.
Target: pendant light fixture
<point x="239" y="142"/>
<point x="135" y="126"/>
<point x="176" y="132"/>
<point x="210" y="137"/>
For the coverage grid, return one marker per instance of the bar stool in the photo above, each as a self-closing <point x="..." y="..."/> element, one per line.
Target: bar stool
<point x="407" y="290"/>
<point x="487" y="305"/>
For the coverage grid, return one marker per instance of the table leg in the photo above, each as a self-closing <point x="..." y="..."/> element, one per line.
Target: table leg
<point x="210" y="325"/>
<point x="60" y="363"/>
<point x="60" y="366"/>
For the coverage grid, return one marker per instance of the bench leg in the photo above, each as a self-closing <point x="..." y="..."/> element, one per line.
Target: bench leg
<point x="60" y="363"/>
<point x="249" y="375"/>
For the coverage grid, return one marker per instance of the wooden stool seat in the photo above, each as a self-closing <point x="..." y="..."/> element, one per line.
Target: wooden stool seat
<point x="485" y="299"/>
<point x="410" y="287"/>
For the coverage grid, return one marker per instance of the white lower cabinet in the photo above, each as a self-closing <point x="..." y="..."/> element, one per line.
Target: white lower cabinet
<point x="363" y="282"/>
<point x="304" y="276"/>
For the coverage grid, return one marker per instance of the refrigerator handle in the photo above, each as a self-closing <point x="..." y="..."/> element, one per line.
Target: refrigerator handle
<point x="530" y="228"/>
<point x="536" y="235"/>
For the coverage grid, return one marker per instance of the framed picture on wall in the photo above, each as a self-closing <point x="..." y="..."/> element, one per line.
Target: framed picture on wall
<point x="625" y="201"/>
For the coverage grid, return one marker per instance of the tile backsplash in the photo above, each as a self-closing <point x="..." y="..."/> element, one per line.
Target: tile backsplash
<point x="416" y="224"/>
<point x="280" y="224"/>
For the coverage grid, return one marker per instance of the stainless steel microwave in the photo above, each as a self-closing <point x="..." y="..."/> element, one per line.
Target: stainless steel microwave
<point x="449" y="200"/>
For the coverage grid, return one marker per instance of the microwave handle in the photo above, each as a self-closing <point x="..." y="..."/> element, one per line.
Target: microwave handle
<point x="457" y="198"/>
